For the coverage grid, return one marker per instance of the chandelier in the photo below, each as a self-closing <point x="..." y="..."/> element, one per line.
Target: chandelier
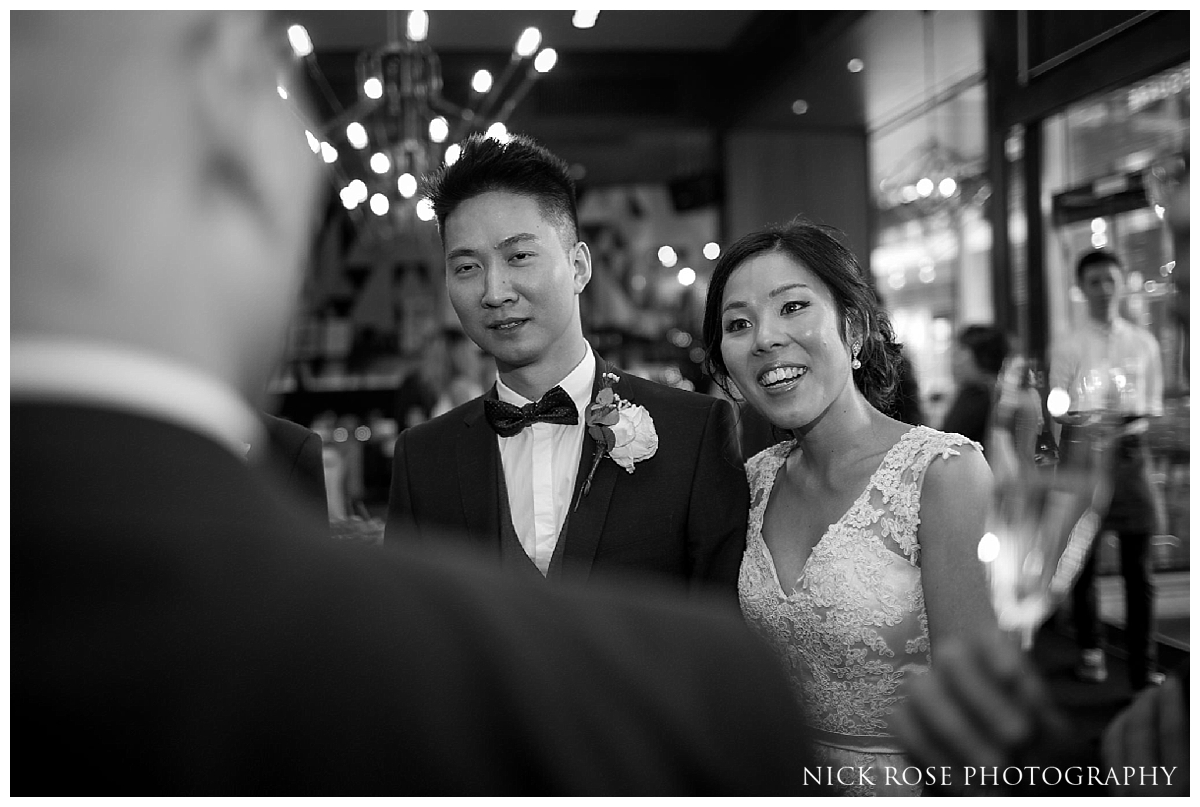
<point x="932" y="178"/>
<point x="400" y="126"/>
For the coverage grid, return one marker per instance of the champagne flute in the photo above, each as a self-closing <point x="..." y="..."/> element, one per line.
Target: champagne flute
<point x="1045" y="510"/>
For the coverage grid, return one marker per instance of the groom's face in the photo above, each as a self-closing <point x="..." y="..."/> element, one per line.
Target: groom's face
<point x="513" y="281"/>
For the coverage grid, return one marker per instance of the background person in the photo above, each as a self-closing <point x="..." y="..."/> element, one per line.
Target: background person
<point x="1087" y="363"/>
<point x="979" y="353"/>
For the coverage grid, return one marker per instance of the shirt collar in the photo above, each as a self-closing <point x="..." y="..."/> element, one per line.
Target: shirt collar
<point x="123" y="378"/>
<point x="577" y="383"/>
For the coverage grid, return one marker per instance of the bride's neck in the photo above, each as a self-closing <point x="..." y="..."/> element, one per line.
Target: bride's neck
<point x="840" y="436"/>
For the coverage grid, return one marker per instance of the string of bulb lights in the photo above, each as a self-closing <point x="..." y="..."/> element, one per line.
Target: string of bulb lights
<point x="402" y="120"/>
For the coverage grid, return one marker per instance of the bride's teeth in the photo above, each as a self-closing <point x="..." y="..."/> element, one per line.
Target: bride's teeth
<point x="779" y="374"/>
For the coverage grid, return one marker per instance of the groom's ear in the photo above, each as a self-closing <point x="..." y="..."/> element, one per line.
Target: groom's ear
<point x="581" y="263"/>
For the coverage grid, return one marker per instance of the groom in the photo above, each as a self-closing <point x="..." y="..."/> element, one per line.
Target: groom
<point x="568" y="468"/>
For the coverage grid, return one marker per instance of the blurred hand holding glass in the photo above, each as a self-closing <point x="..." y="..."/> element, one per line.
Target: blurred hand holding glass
<point x="1046" y="509"/>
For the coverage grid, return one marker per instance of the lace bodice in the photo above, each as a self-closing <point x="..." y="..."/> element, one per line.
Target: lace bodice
<point x="853" y="625"/>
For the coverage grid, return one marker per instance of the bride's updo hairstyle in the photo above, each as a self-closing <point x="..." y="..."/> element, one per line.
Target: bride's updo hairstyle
<point x="817" y="248"/>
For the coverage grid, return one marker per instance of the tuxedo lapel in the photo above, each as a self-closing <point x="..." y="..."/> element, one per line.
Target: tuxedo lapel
<point x="476" y="462"/>
<point x="587" y="514"/>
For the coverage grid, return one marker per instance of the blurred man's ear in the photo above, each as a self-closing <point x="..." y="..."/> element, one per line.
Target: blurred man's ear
<point x="235" y="76"/>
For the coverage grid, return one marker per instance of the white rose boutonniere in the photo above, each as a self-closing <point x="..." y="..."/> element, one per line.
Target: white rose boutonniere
<point x="622" y="430"/>
<point x="635" y="436"/>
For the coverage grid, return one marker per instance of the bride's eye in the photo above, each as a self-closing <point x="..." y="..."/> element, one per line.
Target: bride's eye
<point x="736" y="325"/>
<point x="792" y="306"/>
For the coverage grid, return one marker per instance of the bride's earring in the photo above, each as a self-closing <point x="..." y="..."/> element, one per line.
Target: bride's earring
<point x="854" y="362"/>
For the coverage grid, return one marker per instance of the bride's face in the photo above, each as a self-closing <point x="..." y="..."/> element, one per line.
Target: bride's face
<point x="781" y="340"/>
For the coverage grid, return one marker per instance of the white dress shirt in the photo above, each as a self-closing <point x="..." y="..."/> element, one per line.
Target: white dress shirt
<point x="1128" y="354"/>
<point x="540" y="465"/>
<point x="117" y="377"/>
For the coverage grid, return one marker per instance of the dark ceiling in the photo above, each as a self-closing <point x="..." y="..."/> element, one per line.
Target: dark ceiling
<point x="643" y="96"/>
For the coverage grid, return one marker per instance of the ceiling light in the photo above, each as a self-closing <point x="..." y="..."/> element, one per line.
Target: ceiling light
<point x="481" y="81"/>
<point x="356" y="135"/>
<point x="545" y="60"/>
<point x="418" y="26"/>
<point x="300" y="41"/>
<point x="529" y="41"/>
<point x="584" y="19"/>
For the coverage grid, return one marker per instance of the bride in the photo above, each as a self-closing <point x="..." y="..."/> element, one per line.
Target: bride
<point x="861" y="552"/>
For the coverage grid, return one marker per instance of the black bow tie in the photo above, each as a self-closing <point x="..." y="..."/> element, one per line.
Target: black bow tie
<point x="555" y="406"/>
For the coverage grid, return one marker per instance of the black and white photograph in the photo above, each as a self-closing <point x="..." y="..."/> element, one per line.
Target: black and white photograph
<point x="599" y="403"/>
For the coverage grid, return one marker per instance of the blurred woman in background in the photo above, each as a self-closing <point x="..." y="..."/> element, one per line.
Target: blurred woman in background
<point x="979" y="353"/>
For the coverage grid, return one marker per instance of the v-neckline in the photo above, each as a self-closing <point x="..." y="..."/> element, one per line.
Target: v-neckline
<point x="762" y="519"/>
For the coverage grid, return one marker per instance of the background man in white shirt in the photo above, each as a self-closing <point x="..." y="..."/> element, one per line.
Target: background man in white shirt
<point x="1111" y="362"/>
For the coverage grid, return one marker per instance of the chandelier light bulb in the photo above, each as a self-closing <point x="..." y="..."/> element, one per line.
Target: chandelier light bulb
<point x="453" y="152"/>
<point x="313" y="143"/>
<point x="924" y="187"/>
<point x="529" y="41"/>
<point x="498" y="131"/>
<point x="407" y="185"/>
<point x="359" y="189"/>
<point x="947" y="187"/>
<point x="379" y="204"/>
<point x="667" y="256"/>
<point x="418" y="26"/>
<point x="584" y="19"/>
<point x="1099" y="225"/>
<point x="481" y="82"/>
<point x="439" y="129"/>
<point x="545" y="60"/>
<point x="855" y="65"/>
<point x="373" y="88"/>
<point x="356" y="134"/>
<point x="380" y="163"/>
<point x="282" y="92"/>
<point x="299" y="40"/>
<point x="425" y="210"/>
<point x="349" y="198"/>
<point x="686" y="276"/>
<point x="328" y="153"/>
<point x="712" y="250"/>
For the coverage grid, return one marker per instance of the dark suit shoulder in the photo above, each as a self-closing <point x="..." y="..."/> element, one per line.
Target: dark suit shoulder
<point x="638" y="390"/>
<point x="447" y="422"/>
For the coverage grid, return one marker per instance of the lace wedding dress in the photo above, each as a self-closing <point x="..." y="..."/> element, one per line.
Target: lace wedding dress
<point x="853" y="626"/>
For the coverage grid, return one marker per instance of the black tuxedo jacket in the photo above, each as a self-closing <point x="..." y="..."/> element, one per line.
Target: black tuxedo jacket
<point x="295" y="453"/>
<point x="679" y="517"/>
<point x="179" y="625"/>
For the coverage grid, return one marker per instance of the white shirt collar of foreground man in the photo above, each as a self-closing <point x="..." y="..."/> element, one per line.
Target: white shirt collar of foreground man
<point x="113" y="376"/>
